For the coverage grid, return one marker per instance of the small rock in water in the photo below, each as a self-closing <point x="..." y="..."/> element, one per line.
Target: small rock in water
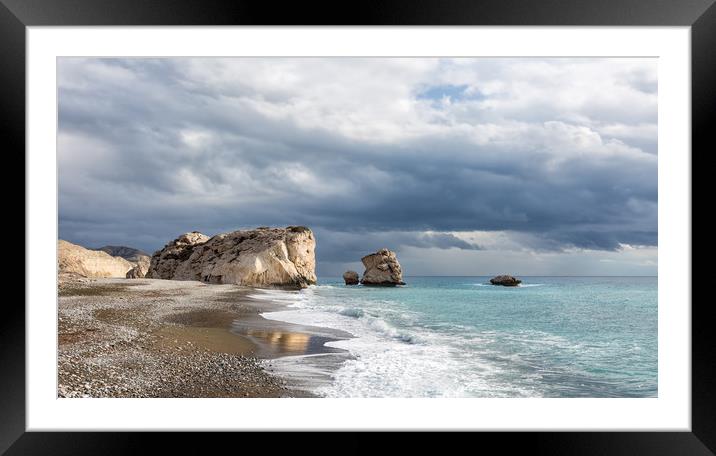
<point x="505" y="281"/>
<point x="351" y="278"/>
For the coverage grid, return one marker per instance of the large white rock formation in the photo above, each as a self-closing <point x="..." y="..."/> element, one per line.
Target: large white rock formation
<point x="262" y="257"/>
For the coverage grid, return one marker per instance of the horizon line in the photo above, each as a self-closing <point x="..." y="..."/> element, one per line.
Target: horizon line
<point x="520" y="275"/>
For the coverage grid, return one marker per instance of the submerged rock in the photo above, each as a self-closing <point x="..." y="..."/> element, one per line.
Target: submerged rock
<point x="505" y="281"/>
<point x="75" y="259"/>
<point x="382" y="269"/>
<point x="351" y="278"/>
<point x="260" y="257"/>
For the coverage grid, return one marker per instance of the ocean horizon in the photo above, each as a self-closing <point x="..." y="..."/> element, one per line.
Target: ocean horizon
<point x="459" y="336"/>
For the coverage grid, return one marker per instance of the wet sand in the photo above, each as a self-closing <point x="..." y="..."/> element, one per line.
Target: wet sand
<point x="273" y="339"/>
<point x="160" y="338"/>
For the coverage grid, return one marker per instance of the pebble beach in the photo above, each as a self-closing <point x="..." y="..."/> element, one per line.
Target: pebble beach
<point x="159" y="338"/>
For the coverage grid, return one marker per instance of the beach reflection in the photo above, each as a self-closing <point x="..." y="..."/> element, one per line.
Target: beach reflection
<point x="280" y="339"/>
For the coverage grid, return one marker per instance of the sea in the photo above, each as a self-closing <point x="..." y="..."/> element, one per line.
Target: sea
<point x="462" y="337"/>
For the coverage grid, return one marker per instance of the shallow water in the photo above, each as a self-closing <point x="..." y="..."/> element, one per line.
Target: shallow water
<point x="461" y="337"/>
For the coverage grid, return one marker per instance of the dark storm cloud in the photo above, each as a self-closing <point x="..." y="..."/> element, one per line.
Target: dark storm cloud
<point x="149" y="149"/>
<point x="342" y="246"/>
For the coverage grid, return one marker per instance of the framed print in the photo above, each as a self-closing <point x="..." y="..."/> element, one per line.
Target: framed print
<point x="238" y="216"/>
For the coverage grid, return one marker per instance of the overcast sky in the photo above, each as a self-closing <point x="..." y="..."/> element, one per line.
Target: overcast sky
<point x="462" y="166"/>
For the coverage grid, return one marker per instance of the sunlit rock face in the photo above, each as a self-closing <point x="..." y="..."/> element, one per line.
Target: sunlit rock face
<point x="262" y="257"/>
<point x="382" y="269"/>
<point x="75" y="259"/>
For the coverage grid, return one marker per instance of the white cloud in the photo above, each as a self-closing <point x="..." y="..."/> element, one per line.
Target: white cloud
<point x="196" y="139"/>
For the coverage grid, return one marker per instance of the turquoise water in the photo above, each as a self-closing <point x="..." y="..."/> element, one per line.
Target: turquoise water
<point x="461" y="337"/>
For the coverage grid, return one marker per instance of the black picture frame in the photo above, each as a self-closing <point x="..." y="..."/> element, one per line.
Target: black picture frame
<point x="16" y="15"/>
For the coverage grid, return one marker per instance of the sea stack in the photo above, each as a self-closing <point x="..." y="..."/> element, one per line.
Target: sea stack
<point x="351" y="278"/>
<point x="505" y="281"/>
<point x="382" y="269"/>
<point x="263" y="257"/>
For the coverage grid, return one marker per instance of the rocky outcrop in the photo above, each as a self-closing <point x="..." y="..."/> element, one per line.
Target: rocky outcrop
<point x="144" y="262"/>
<point x="382" y="269"/>
<point x="505" y="281"/>
<point x="138" y="259"/>
<point x="140" y="270"/>
<point x="165" y="262"/>
<point x="128" y="253"/>
<point x="136" y="273"/>
<point x="262" y="257"/>
<point x="75" y="259"/>
<point x="351" y="278"/>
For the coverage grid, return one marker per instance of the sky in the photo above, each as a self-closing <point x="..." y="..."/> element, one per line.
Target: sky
<point x="470" y="166"/>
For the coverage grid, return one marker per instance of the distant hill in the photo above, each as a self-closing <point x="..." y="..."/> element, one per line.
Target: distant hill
<point x="128" y="253"/>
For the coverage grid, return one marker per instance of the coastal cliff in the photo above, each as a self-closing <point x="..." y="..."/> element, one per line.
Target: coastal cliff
<point x="260" y="257"/>
<point x="139" y="259"/>
<point x="75" y="259"/>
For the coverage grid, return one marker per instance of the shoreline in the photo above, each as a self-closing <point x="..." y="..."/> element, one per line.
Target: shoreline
<point x="166" y="338"/>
